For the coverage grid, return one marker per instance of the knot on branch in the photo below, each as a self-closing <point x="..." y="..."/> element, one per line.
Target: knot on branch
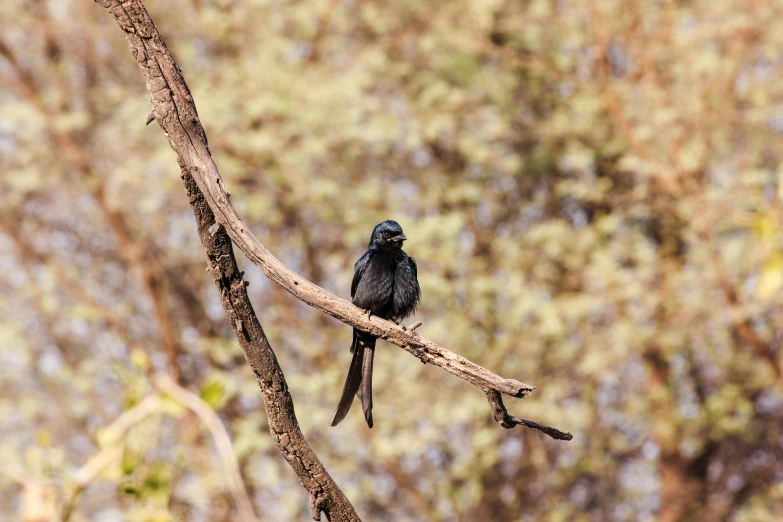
<point x="318" y="503"/>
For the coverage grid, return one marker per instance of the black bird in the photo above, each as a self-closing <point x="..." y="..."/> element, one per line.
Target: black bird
<point x="385" y="284"/>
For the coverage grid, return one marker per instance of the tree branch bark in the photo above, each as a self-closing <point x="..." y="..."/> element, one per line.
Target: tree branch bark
<point x="165" y="84"/>
<point x="175" y="111"/>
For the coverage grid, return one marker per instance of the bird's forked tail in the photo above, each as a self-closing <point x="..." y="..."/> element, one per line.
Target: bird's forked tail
<point x="359" y="379"/>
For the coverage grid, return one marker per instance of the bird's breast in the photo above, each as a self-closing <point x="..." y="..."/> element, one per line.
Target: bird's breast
<point x="375" y="291"/>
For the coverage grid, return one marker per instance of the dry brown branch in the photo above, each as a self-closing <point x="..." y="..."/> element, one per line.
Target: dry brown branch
<point x="165" y="83"/>
<point x="509" y="421"/>
<point x="175" y="111"/>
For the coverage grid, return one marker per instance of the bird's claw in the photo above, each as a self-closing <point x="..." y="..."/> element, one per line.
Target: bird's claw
<point x="395" y="321"/>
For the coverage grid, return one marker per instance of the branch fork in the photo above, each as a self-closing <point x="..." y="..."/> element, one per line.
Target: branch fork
<point x="174" y="110"/>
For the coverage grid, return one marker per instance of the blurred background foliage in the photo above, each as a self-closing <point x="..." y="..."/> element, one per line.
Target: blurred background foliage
<point x="592" y="190"/>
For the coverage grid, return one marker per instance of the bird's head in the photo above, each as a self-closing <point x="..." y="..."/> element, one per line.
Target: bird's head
<point x="387" y="236"/>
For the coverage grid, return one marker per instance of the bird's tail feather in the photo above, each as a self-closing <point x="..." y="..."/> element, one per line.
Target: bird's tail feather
<point x="362" y="344"/>
<point x="366" y="384"/>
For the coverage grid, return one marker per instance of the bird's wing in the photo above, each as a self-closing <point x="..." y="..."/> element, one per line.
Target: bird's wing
<point x="415" y="268"/>
<point x="358" y="270"/>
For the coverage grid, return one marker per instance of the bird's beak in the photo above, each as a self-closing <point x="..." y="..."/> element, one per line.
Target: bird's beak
<point x="401" y="237"/>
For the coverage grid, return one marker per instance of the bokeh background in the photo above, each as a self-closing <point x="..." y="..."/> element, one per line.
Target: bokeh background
<point x="592" y="190"/>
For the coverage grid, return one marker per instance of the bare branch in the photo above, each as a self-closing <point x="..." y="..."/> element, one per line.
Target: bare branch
<point x="509" y="421"/>
<point x="175" y="111"/>
<point x="165" y="83"/>
<point x="412" y="328"/>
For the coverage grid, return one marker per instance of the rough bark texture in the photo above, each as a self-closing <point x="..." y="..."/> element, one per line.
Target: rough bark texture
<point x="325" y="494"/>
<point x="165" y="83"/>
<point x="219" y="224"/>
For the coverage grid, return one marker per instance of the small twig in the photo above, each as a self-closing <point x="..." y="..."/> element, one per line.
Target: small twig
<point x="317" y="504"/>
<point x="412" y="327"/>
<point x="509" y="421"/>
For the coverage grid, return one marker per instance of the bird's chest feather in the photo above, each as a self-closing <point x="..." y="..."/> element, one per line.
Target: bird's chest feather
<point x="375" y="291"/>
<point x="388" y="286"/>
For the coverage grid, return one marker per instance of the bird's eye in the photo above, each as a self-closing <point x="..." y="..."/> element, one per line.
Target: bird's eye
<point x="386" y="234"/>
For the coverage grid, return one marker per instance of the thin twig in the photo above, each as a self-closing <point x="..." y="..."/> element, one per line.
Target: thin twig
<point x="509" y="421"/>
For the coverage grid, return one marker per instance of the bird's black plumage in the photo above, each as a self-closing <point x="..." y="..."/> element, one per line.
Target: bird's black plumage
<point x="385" y="283"/>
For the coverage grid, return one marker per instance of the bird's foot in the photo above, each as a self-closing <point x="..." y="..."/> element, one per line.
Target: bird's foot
<point x="369" y="314"/>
